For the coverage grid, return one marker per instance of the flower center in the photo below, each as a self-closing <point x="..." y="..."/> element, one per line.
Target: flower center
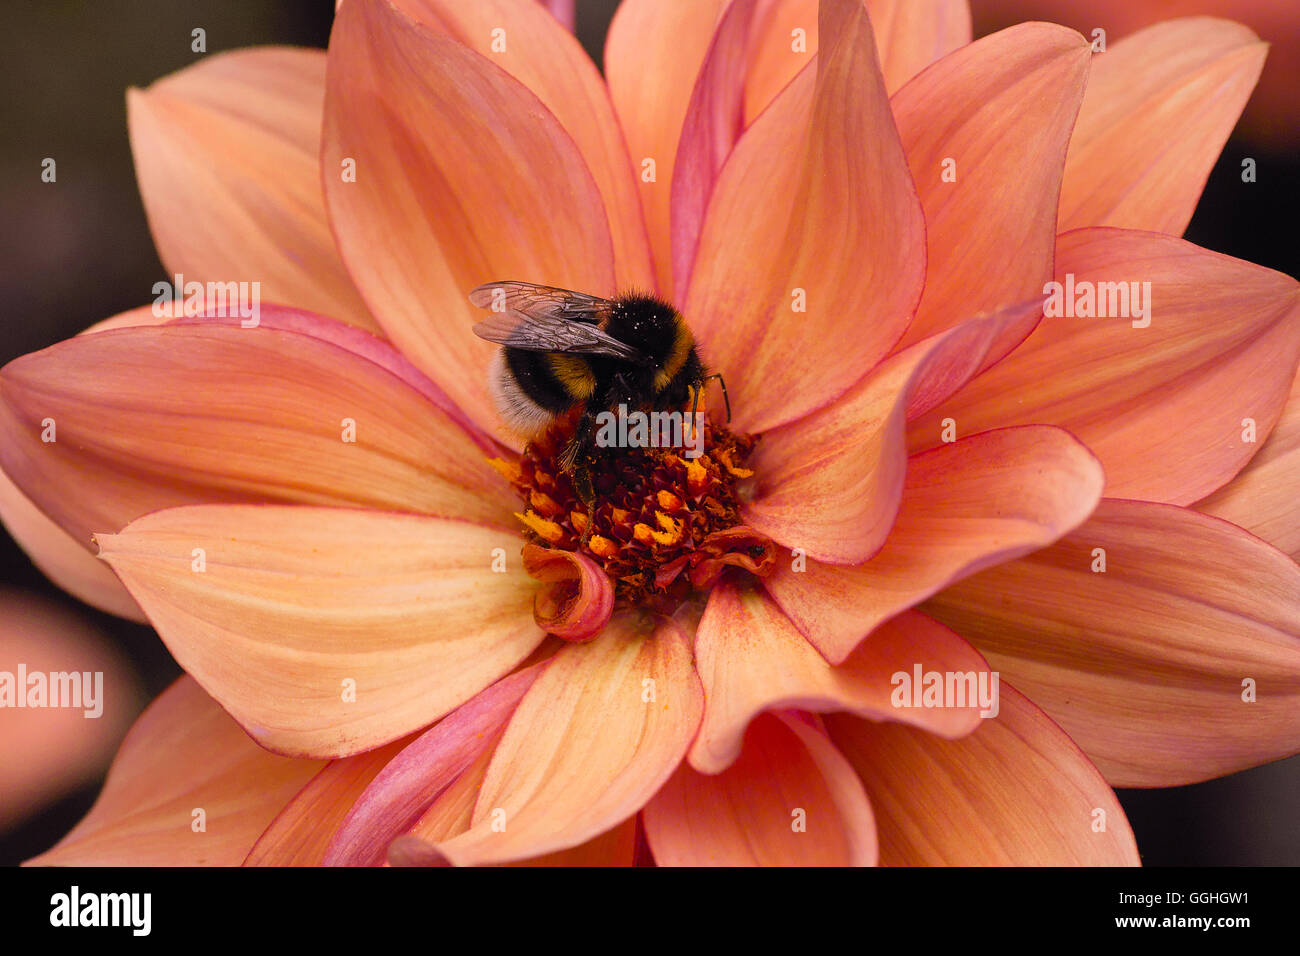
<point x="662" y="525"/>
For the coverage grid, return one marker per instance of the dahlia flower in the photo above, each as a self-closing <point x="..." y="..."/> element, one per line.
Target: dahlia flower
<point x="939" y="462"/>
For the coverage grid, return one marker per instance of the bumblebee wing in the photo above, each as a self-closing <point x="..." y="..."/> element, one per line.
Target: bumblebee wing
<point x="529" y="299"/>
<point x="544" y="319"/>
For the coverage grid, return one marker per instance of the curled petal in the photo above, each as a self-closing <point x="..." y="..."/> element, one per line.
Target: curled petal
<point x="751" y="658"/>
<point x="830" y="483"/>
<point x="965" y="506"/>
<point x="576" y="598"/>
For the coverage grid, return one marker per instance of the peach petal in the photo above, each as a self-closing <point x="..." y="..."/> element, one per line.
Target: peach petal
<point x="203" y="410"/>
<point x="653" y="54"/>
<point x="577" y="597"/>
<point x="226" y="152"/>
<point x="714" y="121"/>
<point x="463" y="176"/>
<point x="1162" y="404"/>
<point x="1264" y="497"/>
<point x="541" y="52"/>
<point x="1017" y="792"/>
<point x="596" y="735"/>
<point x="1146" y="665"/>
<point x="791" y="799"/>
<point x="751" y="658"/>
<point x="830" y="483"/>
<point x="187" y="788"/>
<point x="1159" y="107"/>
<point x="399" y="795"/>
<point x="301" y="834"/>
<point x="814" y="241"/>
<point x="965" y="506"/>
<point x="909" y="37"/>
<point x="998" y="115"/>
<point x="328" y="631"/>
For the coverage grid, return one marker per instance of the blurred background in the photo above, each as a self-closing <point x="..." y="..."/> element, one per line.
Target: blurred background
<point x="78" y="251"/>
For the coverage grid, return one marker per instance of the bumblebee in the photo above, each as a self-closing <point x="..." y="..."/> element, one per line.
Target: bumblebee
<point x="561" y="349"/>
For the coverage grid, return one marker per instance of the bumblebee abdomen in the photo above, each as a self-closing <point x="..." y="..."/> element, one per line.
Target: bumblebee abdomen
<point x="528" y="391"/>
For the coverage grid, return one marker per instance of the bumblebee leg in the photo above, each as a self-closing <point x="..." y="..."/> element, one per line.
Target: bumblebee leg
<point x="725" y="397"/>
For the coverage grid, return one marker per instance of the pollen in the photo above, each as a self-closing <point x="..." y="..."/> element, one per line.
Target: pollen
<point x="662" y="525"/>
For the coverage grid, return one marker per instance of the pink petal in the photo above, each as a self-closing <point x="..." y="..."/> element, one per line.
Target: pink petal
<point x="596" y="735"/>
<point x="996" y="115"/>
<point x="462" y="177"/>
<point x="226" y="154"/>
<point x="183" y="755"/>
<point x="830" y="483"/>
<point x="1264" y="498"/>
<point x="814" y="210"/>
<point x="1017" y="792"/>
<point x="204" y="410"/>
<point x="790" y="800"/>
<point x="1159" y="107"/>
<point x="965" y="506"/>
<point x="1145" y="664"/>
<point x="1221" y="347"/>
<point x="394" y="802"/>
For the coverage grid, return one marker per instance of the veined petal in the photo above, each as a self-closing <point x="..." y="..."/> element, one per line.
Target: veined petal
<point x="791" y="799"/>
<point x="596" y="735"/>
<point x="328" y="631"/>
<point x="830" y="483"/>
<point x="1177" y="663"/>
<point x="1017" y="792"/>
<point x="539" y="50"/>
<point x="751" y="658"/>
<point x="1160" y="393"/>
<point x="435" y="761"/>
<point x="965" y="506"/>
<point x="909" y="37"/>
<point x="297" y="409"/>
<point x="301" y="833"/>
<point x="1159" y="107"/>
<point x="226" y="152"/>
<point x="462" y="176"/>
<point x="985" y="131"/>
<point x="653" y="54"/>
<point x="187" y="788"/>
<point x="1264" y="497"/>
<point x="814" y="241"/>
